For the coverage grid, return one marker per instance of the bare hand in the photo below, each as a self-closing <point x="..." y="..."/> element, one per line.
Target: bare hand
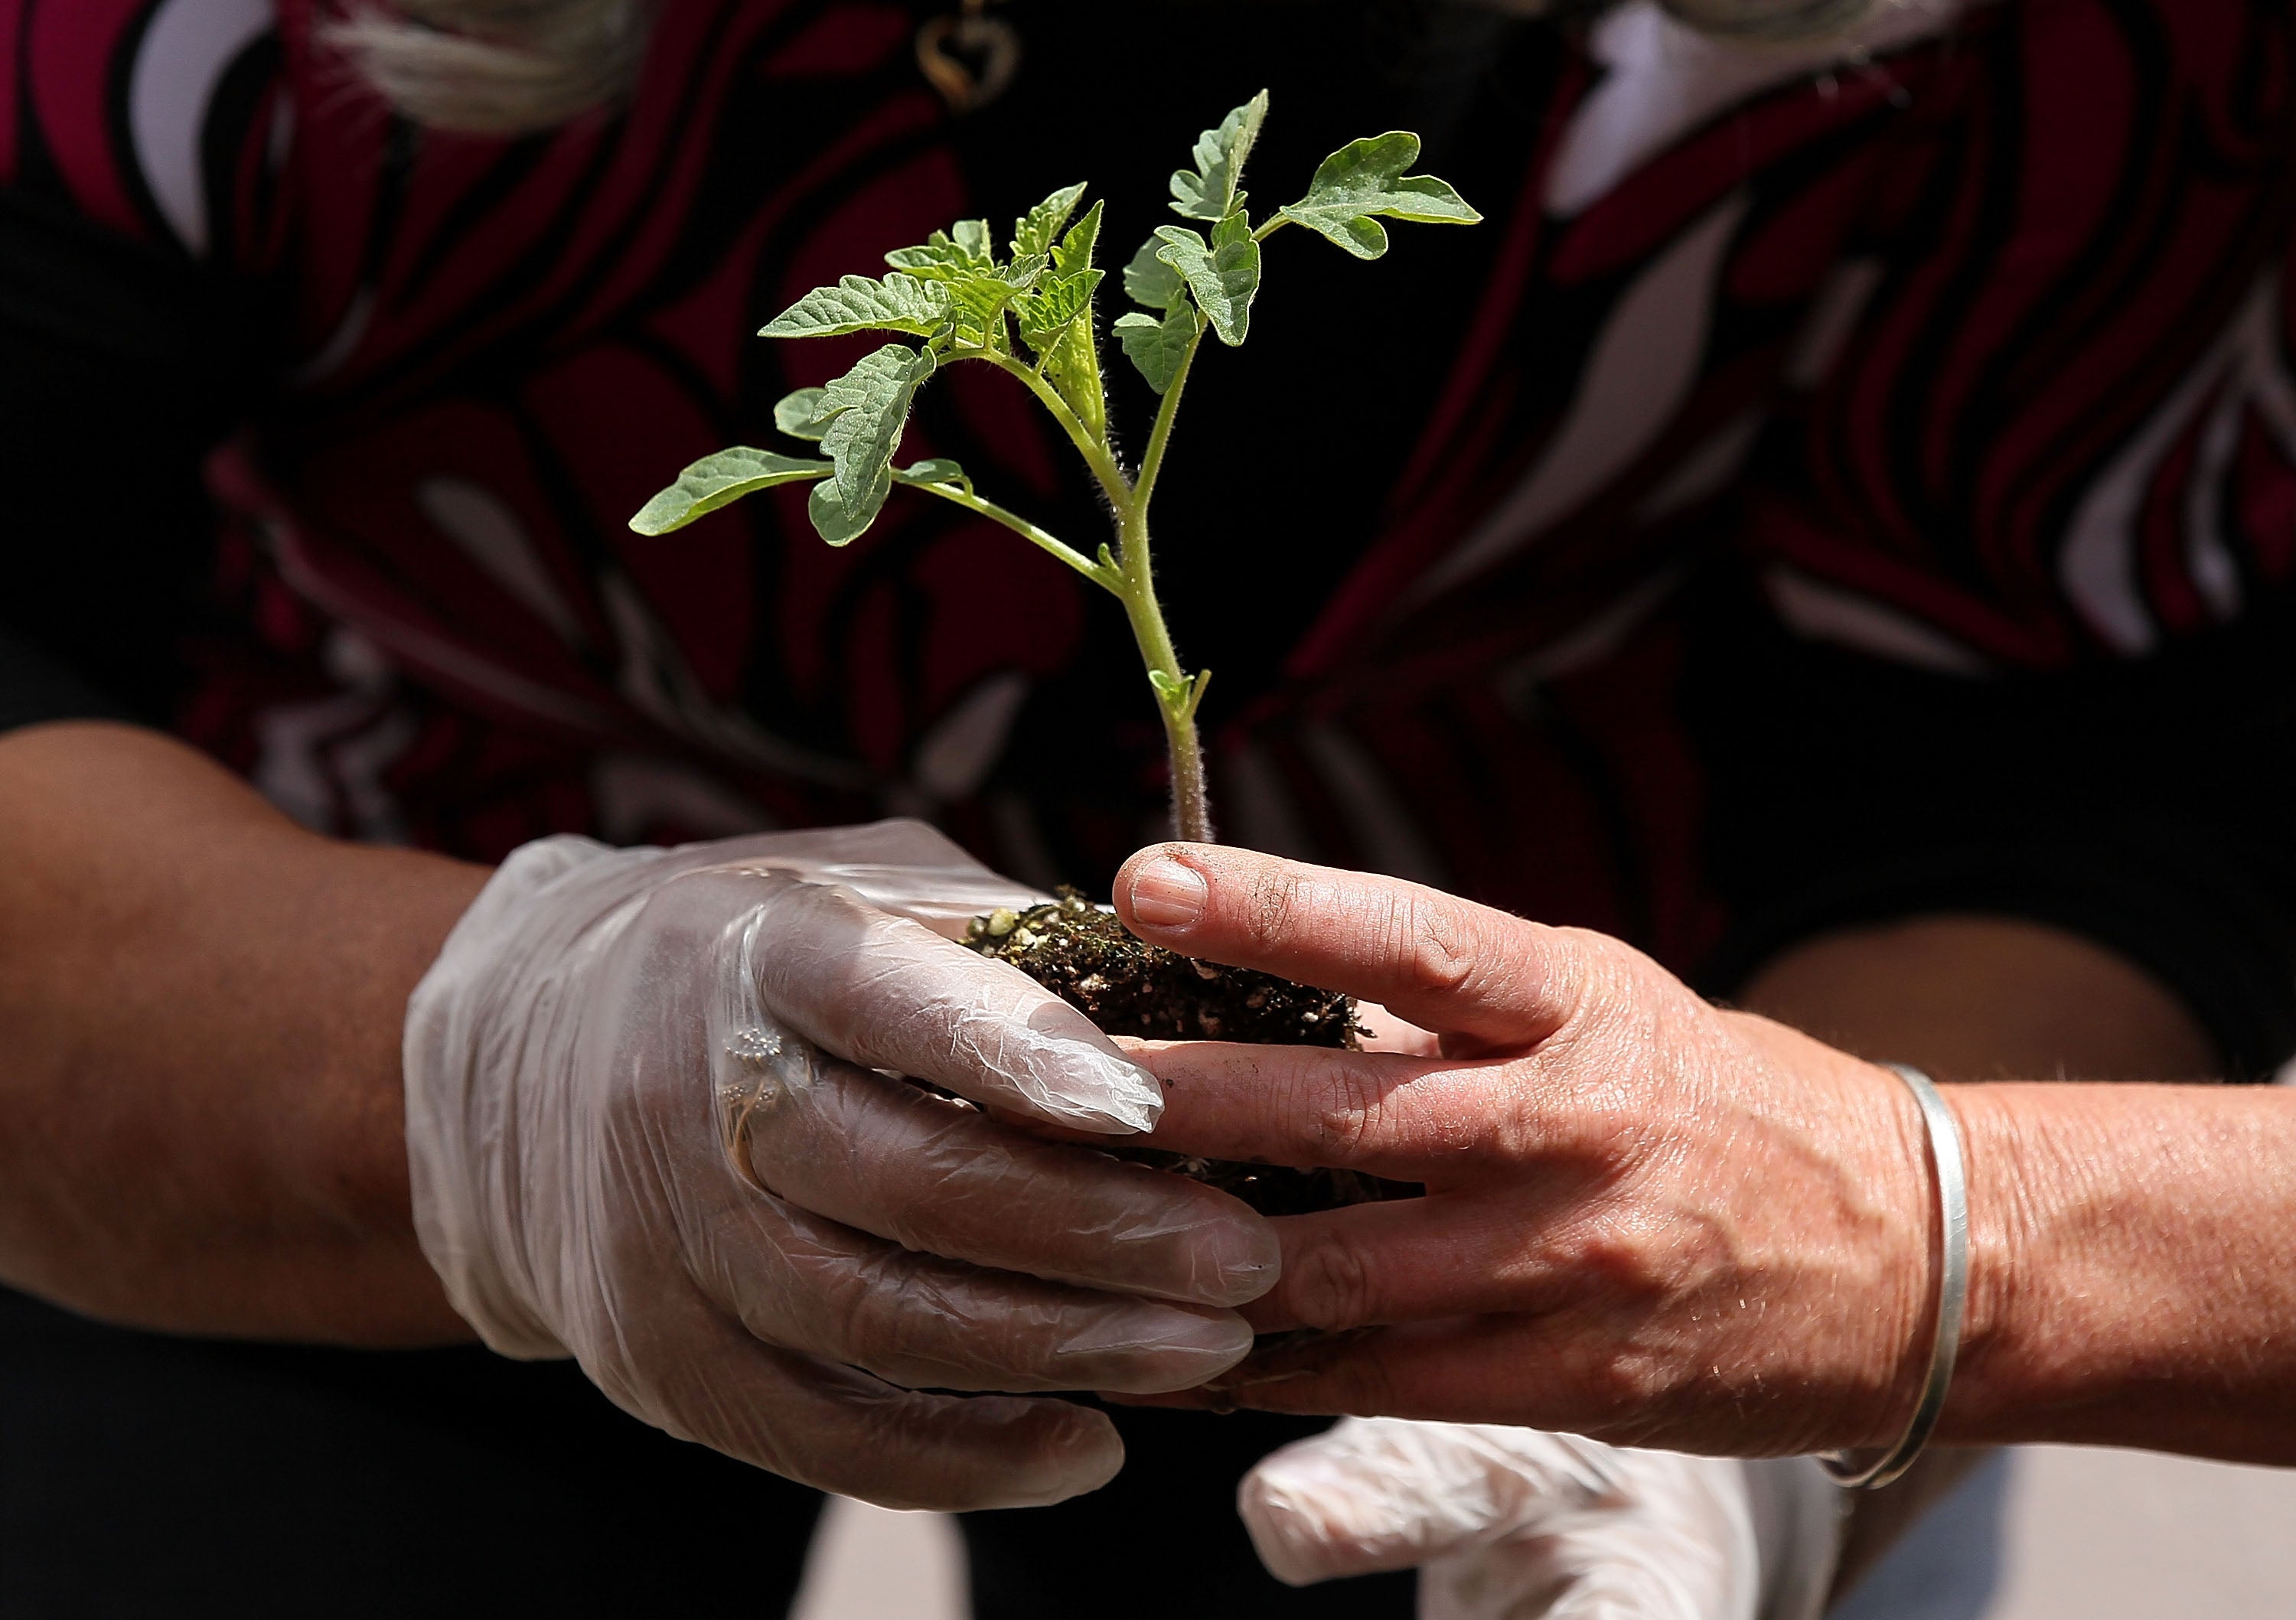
<point x="1648" y="1219"/>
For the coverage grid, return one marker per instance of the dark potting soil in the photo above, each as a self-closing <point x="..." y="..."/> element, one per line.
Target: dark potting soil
<point x="1089" y="960"/>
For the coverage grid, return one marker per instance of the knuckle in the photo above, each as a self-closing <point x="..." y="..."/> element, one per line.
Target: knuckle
<point x="1343" y="1119"/>
<point x="1621" y="1383"/>
<point x="1509" y="1132"/>
<point x="1619" y="1335"/>
<point x="1594" y="980"/>
<point x="1611" y="1260"/>
<point x="1611" y="974"/>
<point x="1433" y="949"/>
<point x="1611" y="1006"/>
<point x="1330" y="1284"/>
<point x="1274" y="895"/>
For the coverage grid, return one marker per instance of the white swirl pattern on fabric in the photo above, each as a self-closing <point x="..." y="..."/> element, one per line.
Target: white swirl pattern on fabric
<point x="187" y="49"/>
<point x="2246" y="369"/>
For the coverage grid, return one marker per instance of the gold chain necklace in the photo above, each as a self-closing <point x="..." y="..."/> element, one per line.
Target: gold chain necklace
<point x="971" y="57"/>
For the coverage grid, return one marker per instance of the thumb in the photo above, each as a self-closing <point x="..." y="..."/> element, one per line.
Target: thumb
<point x="1378" y="1493"/>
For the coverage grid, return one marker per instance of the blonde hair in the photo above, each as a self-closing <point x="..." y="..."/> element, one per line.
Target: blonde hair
<point x="495" y="67"/>
<point x="510" y="67"/>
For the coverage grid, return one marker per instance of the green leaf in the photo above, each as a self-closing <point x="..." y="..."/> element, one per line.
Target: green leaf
<point x="840" y="519"/>
<point x="799" y="415"/>
<point x="973" y="240"/>
<point x="977" y="303"/>
<point x="1150" y="280"/>
<point x="944" y="258"/>
<point x="1364" y="179"/>
<point x="866" y="410"/>
<point x="1210" y="193"/>
<point x="1182" y="694"/>
<point x="1223" y="277"/>
<point x="1072" y="366"/>
<point x="1037" y="232"/>
<point x="1069" y="358"/>
<point x="1159" y="347"/>
<point x="934" y="469"/>
<point x="720" y="480"/>
<point x="1076" y="249"/>
<point x="861" y="303"/>
<point x="1056" y="321"/>
<point x="1054" y="305"/>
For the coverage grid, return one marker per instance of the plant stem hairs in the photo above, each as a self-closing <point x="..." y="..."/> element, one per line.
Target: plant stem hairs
<point x="513" y="67"/>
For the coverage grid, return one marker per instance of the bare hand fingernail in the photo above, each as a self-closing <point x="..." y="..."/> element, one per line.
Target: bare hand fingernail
<point x="1167" y="894"/>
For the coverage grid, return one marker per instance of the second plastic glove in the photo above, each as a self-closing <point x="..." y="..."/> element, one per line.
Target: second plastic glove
<point x="1512" y="1524"/>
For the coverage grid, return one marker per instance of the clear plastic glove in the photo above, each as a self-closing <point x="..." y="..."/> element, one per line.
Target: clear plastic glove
<point x="1512" y="1524"/>
<point x="651" y="1123"/>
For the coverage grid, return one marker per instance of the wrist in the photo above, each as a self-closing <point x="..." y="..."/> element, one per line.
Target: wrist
<point x="335" y="1138"/>
<point x="1999" y="1146"/>
<point x="1868" y="1217"/>
<point x="1941" y="1331"/>
<point x="1905" y="1315"/>
<point x="2099" y="1270"/>
<point x="2089" y="1296"/>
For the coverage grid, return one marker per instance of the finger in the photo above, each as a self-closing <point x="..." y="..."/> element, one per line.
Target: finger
<point x="886" y="993"/>
<point x="943" y="1179"/>
<point x="697" y="1374"/>
<point x="1443" y="963"/>
<point x="1622" y="1377"/>
<point x="1380" y="1493"/>
<point x="809" y="1284"/>
<point x="1568" y="1373"/>
<point x="1412" y="1260"/>
<point x="1406" y="1118"/>
<point x="1451" y="1372"/>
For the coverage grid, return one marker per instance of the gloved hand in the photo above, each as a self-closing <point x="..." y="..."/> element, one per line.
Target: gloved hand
<point x="651" y="1123"/>
<point x="1512" y="1524"/>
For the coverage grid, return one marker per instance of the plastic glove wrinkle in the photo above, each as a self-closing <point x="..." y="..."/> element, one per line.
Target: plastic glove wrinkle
<point x="922" y="1322"/>
<point x="620" y="1052"/>
<point x="939" y="1177"/>
<point x="885" y="991"/>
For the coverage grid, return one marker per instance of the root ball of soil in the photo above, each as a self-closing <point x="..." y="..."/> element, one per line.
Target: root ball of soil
<point x="1089" y="960"/>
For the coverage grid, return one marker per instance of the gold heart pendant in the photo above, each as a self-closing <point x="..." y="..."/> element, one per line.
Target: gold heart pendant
<point x="970" y="59"/>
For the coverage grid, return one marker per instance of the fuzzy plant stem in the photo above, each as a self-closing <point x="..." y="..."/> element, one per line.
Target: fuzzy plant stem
<point x="1128" y="573"/>
<point x="1178" y="696"/>
<point x="1191" y="813"/>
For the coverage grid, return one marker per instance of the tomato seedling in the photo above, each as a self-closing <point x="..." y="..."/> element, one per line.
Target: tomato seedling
<point x="1031" y="311"/>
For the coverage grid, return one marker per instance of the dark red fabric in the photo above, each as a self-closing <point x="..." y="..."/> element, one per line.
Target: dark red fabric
<point x="2052" y="232"/>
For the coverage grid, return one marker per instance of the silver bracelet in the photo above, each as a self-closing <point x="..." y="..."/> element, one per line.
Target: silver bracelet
<point x="1951" y="1253"/>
